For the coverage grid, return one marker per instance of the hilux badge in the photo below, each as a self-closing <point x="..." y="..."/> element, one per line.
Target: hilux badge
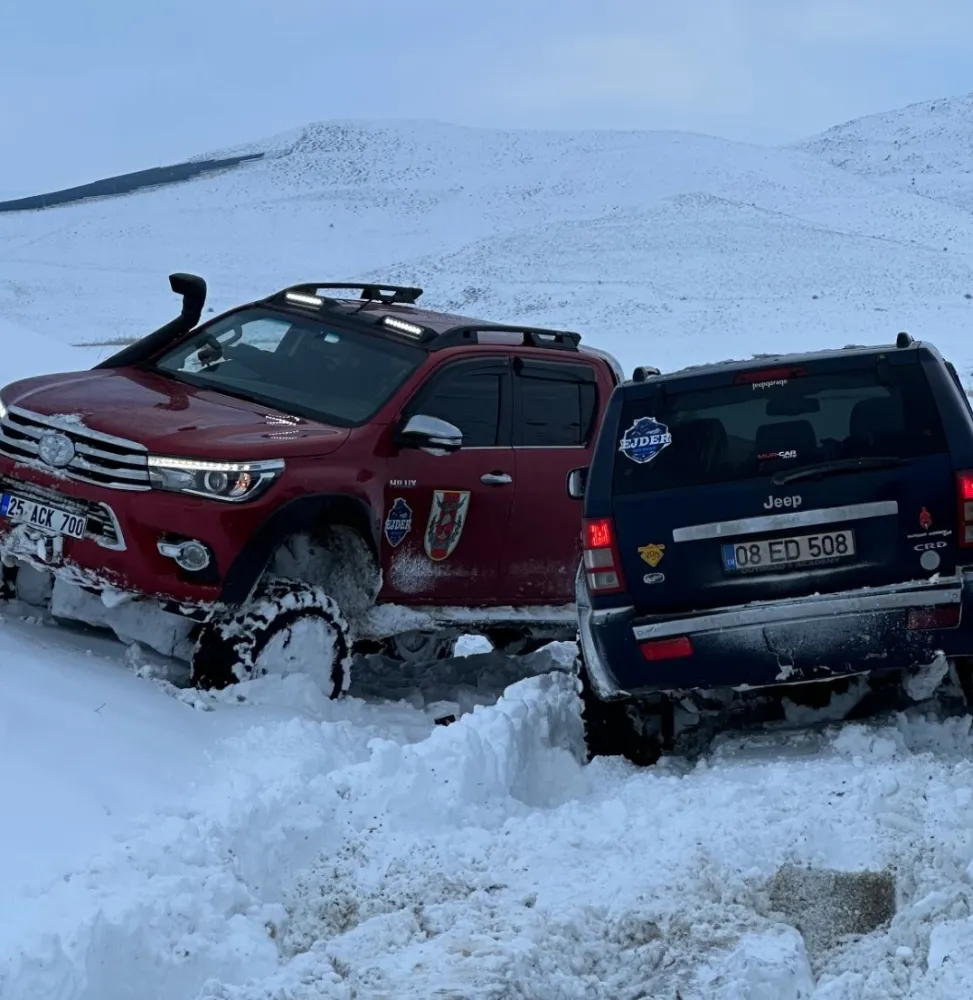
<point x="55" y="449"/>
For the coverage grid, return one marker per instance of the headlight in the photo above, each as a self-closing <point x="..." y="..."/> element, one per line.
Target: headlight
<point x="231" y="481"/>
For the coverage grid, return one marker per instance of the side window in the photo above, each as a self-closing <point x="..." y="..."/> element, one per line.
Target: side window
<point x="557" y="404"/>
<point x="468" y="397"/>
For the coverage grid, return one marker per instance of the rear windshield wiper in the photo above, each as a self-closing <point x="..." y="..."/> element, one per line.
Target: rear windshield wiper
<point x="836" y="468"/>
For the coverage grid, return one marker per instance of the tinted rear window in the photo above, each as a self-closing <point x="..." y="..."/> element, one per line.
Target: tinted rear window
<point x="755" y="430"/>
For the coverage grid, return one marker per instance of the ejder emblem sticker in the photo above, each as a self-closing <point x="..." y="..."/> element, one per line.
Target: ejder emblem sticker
<point x="447" y="515"/>
<point x="398" y="522"/>
<point x="652" y="554"/>
<point x="644" y="440"/>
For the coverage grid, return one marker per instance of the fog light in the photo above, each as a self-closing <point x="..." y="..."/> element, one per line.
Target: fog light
<point x="191" y="556"/>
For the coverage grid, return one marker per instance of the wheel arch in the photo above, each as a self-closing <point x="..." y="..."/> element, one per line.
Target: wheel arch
<point x="306" y="514"/>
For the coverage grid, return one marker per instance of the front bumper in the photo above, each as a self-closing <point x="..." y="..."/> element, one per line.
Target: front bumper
<point x="774" y="642"/>
<point x="120" y="548"/>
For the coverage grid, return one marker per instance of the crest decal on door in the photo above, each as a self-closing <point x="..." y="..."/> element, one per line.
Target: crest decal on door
<point x="447" y="516"/>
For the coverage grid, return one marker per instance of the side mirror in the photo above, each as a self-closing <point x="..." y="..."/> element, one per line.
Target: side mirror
<point x="577" y="483"/>
<point x="430" y="434"/>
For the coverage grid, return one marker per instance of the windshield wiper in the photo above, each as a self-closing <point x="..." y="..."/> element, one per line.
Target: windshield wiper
<point x="836" y="468"/>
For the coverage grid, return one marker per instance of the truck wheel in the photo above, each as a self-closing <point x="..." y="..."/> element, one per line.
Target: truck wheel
<point x="288" y="627"/>
<point x="610" y="730"/>
<point x="419" y="647"/>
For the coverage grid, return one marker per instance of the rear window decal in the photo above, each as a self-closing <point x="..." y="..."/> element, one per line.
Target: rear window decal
<point x="769" y="456"/>
<point x="644" y="440"/>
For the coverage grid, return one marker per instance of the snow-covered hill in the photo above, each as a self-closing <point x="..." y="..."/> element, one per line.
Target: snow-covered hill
<point x="662" y="246"/>
<point x="266" y="844"/>
<point x="926" y="149"/>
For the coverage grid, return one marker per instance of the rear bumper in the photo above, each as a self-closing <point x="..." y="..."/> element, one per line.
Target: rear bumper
<point x="774" y="642"/>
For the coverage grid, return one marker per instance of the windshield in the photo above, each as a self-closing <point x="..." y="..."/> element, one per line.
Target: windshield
<point x="295" y="364"/>
<point x="773" y="427"/>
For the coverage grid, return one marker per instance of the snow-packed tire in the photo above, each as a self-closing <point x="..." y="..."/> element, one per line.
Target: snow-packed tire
<point x="239" y="646"/>
<point x="611" y="729"/>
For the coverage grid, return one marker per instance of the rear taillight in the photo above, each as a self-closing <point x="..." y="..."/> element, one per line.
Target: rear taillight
<point x="964" y="505"/>
<point x="601" y="563"/>
<point x="923" y="618"/>
<point x="667" y="649"/>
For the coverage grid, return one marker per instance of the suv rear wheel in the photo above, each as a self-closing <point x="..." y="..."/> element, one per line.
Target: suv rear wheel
<point x="616" y="729"/>
<point x="288" y="627"/>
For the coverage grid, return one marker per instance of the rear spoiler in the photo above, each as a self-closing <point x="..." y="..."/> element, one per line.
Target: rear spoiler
<point x="192" y="288"/>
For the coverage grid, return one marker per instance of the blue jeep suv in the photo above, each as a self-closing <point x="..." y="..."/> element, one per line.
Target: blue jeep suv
<point x="770" y="522"/>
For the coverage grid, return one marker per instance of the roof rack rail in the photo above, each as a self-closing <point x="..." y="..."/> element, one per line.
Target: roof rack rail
<point x="904" y="340"/>
<point x="531" y="336"/>
<point x="369" y="291"/>
<point x="643" y="372"/>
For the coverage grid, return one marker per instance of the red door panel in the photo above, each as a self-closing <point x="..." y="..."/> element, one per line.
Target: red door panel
<point x="445" y="517"/>
<point x="556" y="406"/>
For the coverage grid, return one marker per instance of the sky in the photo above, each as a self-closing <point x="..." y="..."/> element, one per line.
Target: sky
<point x="104" y="86"/>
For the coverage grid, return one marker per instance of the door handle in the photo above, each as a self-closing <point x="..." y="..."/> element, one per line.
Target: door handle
<point x="496" y="478"/>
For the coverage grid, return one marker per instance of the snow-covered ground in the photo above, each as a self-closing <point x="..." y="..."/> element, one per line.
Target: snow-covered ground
<point x="268" y="844"/>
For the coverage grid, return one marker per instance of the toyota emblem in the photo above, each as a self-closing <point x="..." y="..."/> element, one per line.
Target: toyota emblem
<point x="55" y="449"/>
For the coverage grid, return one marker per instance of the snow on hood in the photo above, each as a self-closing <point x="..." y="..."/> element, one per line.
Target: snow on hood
<point x="169" y="417"/>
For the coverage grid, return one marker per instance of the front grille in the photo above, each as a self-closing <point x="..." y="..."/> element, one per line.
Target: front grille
<point x="102" y="525"/>
<point x="99" y="459"/>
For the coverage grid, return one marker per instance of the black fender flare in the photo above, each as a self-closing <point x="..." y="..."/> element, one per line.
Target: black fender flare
<point x="302" y="514"/>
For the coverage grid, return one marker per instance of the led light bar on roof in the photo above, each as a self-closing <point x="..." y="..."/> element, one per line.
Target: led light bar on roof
<point x="304" y="300"/>
<point x="401" y="326"/>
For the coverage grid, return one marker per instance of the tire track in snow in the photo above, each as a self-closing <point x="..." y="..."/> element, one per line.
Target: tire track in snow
<point x="641" y="884"/>
<point x="201" y="893"/>
<point x="487" y="862"/>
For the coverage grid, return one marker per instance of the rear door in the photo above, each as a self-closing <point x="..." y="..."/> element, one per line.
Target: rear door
<point x="743" y="486"/>
<point x="556" y="407"/>
<point x="445" y="516"/>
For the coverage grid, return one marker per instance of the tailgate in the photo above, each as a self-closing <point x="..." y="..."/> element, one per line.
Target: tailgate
<point x="760" y="485"/>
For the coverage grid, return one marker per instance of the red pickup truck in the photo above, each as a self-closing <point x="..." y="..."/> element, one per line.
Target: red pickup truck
<point x="384" y="474"/>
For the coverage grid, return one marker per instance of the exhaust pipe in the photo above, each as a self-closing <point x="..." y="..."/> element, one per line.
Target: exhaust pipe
<point x="192" y="288"/>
